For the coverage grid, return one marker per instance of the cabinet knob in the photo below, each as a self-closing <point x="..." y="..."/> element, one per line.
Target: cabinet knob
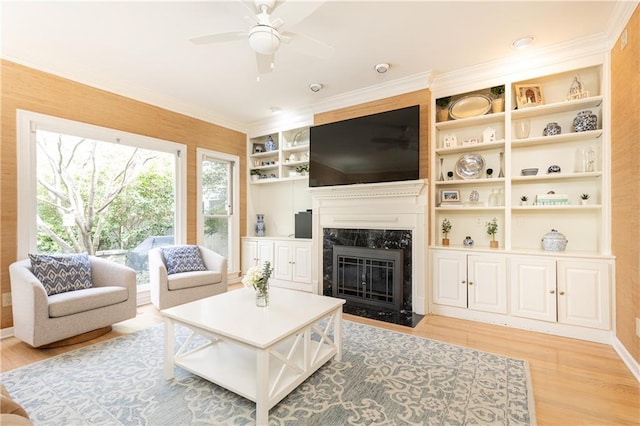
<point x="562" y="293"/>
<point x="552" y="292"/>
<point x="464" y="282"/>
<point x="470" y="282"/>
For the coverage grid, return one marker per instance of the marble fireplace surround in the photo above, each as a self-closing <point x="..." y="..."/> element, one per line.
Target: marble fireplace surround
<point x="392" y="205"/>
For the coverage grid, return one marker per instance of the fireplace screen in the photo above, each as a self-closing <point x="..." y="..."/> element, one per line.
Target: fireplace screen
<point x="368" y="276"/>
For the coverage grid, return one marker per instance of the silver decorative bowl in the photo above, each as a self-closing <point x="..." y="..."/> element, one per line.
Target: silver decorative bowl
<point x="529" y="172"/>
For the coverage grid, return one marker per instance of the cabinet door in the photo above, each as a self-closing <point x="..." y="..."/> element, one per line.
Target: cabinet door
<point x="533" y="288"/>
<point x="487" y="284"/>
<point x="265" y="252"/>
<point x="584" y="294"/>
<point x="249" y="255"/>
<point x="449" y="278"/>
<point x="283" y="266"/>
<point x="302" y="262"/>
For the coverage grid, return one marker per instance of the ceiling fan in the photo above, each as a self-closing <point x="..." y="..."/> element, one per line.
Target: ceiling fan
<point x="265" y="34"/>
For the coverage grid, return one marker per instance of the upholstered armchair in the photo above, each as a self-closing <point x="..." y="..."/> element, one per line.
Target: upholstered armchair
<point x="182" y="274"/>
<point x="42" y="316"/>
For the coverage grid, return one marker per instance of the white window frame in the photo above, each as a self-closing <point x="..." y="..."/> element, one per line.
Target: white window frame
<point x="28" y="122"/>
<point x="234" y="240"/>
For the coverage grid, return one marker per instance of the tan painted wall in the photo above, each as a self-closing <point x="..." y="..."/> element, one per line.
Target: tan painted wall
<point x="625" y="183"/>
<point x="32" y="90"/>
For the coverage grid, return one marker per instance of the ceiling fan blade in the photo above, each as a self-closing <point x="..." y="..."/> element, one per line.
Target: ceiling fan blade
<point x="308" y="45"/>
<point x="219" y="37"/>
<point x="293" y="12"/>
<point x="265" y="63"/>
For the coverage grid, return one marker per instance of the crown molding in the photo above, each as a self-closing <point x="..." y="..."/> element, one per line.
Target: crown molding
<point x="619" y="19"/>
<point x="388" y="89"/>
<point x="520" y="65"/>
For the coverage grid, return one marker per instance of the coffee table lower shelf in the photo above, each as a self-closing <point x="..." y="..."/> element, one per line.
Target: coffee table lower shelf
<point x="235" y="367"/>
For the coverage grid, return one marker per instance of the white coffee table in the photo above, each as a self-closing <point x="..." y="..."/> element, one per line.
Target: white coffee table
<point x="261" y="354"/>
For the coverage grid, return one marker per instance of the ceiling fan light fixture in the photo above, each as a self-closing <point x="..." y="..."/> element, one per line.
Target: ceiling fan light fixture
<point x="523" y="42"/>
<point x="315" y="87"/>
<point x="264" y="39"/>
<point x="382" y="68"/>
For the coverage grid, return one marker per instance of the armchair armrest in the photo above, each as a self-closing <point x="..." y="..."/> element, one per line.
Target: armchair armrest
<point x="29" y="298"/>
<point x="107" y="273"/>
<point x="212" y="260"/>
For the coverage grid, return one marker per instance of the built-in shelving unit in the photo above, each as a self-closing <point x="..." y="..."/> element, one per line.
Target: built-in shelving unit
<point x="289" y="160"/>
<point x="523" y="226"/>
<point x="520" y="284"/>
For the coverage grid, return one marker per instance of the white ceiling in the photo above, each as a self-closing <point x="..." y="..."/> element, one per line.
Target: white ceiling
<point x="142" y="49"/>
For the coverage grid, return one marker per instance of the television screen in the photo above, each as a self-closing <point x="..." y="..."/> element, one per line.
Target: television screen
<point x="380" y="147"/>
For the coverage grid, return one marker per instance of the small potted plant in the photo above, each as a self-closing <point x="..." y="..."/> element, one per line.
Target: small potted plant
<point x="524" y="200"/>
<point x="492" y="230"/>
<point x="303" y="169"/>
<point x="442" y="104"/>
<point x="584" y="198"/>
<point x="498" y="101"/>
<point x="446" y="228"/>
<point x="255" y="174"/>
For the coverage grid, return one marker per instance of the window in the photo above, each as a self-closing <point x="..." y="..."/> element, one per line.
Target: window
<point x="84" y="188"/>
<point x="218" y="198"/>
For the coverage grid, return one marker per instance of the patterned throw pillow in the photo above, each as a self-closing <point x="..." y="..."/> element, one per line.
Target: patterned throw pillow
<point x="62" y="273"/>
<point x="183" y="259"/>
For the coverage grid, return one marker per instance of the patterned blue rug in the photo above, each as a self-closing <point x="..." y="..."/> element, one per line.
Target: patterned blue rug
<point x="385" y="378"/>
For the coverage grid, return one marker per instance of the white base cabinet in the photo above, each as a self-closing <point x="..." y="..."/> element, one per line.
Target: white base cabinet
<point x="292" y="268"/>
<point x="463" y="280"/>
<point x="255" y="252"/>
<point x="573" y="292"/>
<point x="290" y="259"/>
<point x="550" y="293"/>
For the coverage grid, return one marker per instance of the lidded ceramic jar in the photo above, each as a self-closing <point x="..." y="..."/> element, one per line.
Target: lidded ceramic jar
<point x="554" y="241"/>
<point x="585" y="121"/>
<point x="468" y="242"/>
<point x="552" y="129"/>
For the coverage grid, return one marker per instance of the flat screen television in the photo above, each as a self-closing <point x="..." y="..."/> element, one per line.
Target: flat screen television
<point x="383" y="147"/>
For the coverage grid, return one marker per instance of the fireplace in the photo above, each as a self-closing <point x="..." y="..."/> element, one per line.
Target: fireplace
<point x="371" y="270"/>
<point x="383" y="217"/>
<point x="371" y="277"/>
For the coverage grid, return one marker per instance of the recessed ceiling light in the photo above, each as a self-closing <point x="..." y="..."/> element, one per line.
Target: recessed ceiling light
<point x="523" y="42"/>
<point x="382" y="68"/>
<point x="315" y="87"/>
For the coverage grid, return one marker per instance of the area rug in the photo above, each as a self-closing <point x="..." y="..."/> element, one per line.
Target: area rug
<point x="384" y="378"/>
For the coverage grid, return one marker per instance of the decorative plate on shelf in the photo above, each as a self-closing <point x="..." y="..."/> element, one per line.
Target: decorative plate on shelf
<point x="470" y="166"/>
<point x="470" y="106"/>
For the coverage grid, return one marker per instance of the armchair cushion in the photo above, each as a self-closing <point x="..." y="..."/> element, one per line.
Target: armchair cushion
<point x="74" y="302"/>
<point x="193" y="279"/>
<point x="62" y="273"/>
<point x="183" y="259"/>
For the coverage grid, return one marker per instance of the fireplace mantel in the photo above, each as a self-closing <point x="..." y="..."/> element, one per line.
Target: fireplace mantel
<point x="411" y="188"/>
<point x="392" y="205"/>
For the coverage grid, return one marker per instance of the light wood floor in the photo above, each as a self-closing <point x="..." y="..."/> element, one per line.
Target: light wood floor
<point x="574" y="382"/>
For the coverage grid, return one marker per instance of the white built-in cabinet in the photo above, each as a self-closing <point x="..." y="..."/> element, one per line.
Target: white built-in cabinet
<point x="574" y="292"/>
<point x="255" y="252"/>
<point x="567" y="293"/>
<point x="289" y="257"/>
<point x="471" y="281"/>
<point x="292" y="261"/>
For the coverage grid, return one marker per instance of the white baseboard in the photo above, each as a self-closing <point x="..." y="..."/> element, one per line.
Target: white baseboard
<point x="6" y="332"/>
<point x="626" y="357"/>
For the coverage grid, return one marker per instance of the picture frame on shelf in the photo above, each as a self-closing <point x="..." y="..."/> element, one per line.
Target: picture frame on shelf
<point x="528" y="95"/>
<point x="449" y="197"/>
